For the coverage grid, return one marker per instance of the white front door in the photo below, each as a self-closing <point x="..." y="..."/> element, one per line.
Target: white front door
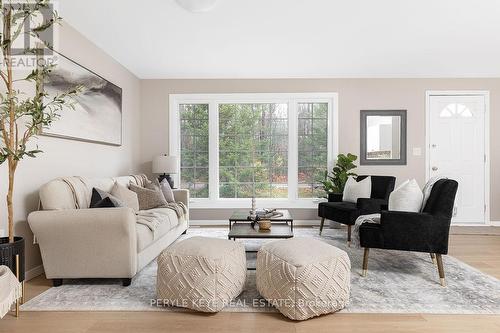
<point x="457" y="150"/>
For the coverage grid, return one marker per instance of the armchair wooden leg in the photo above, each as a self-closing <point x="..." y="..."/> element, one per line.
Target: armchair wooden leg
<point x="321" y="225"/>
<point x="349" y="229"/>
<point x="433" y="258"/>
<point x="440" y="269"/>
<point x="365" y="261"/>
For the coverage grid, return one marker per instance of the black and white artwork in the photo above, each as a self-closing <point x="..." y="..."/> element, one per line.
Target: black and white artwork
<point x="97" y="116"/>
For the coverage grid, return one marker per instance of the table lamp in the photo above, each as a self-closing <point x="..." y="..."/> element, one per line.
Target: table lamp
<point x="165" y="166"/>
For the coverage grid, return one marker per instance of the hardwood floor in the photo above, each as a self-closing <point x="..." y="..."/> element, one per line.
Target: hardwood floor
<point x="478" y="250"/>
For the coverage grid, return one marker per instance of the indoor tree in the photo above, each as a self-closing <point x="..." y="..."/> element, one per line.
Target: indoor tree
<point x="22" y="116"/>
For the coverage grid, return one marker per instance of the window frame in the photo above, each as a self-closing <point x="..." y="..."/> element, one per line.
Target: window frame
<point x="213" y="101"/>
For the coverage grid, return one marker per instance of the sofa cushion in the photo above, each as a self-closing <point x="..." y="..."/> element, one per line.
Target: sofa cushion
<point x="167" y="191"/>
<point x="59" y="194"/>
<point x="98" y="199"/>
<point x="128" y="197"/>
<point x="146" y="236"/>
<point x="148" y="198"/>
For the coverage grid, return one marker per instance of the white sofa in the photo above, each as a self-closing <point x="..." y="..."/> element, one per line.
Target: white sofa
<point x="97" y="242"/>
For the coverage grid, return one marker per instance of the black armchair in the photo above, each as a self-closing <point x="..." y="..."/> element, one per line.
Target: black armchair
<point x="348" y="212"/>
<point x="420" y="232"/>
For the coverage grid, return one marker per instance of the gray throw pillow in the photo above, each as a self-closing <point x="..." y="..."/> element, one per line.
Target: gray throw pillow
<point x="167" y="191"/>
<point x="153" y="185"/>
<point x="148" y="198"/>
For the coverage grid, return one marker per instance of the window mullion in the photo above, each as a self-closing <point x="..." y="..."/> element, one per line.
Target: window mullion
<point x="213" y="155"/>
<point x="292" y="151"/>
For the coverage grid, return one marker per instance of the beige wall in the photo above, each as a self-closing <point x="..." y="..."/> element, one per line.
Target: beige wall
<point x="67" y="157"/>
<point x="354" y="95"/>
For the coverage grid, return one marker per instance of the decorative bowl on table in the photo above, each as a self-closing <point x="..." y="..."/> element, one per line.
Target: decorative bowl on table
<point x="264" y="225"/>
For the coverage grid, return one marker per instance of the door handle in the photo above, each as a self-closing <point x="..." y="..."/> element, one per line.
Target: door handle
<point x="434" y="168"/>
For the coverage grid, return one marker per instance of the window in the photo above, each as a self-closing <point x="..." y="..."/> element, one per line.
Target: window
<point x="194" y="149"/>
<point x="253" y="150"/>
<point x="232" y="147"/>
<point x="312" y="147"/>
<point x="454" y="110"/>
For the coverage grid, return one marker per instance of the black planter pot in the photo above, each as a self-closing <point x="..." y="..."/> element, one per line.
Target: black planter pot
<point x="8" y="252"/>
<point x="334" y="197"/>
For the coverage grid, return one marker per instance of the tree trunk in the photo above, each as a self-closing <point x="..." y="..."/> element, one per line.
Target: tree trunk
<point x="10" y="142"/>
<point x="10" y="193"/>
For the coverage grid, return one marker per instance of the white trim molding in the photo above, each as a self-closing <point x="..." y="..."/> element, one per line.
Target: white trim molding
<point x="34" y="272"/>
<point x="292" y="100"/>
<point x="487" y="177"/>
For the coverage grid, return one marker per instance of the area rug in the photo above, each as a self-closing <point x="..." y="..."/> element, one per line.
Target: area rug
<point x="397" y="282"/>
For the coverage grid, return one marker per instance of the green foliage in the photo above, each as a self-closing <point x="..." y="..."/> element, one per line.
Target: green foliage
<point x="22" y="117"/>
<point x="253" y="149"/>
<point x="335" y="181"/>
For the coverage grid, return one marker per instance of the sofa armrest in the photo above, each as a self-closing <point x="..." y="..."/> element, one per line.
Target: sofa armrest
<point x="370" y="206"/>
<point x="182" y="195"/>
<point x="414" y="231"/>
<point x="79" y="243"/>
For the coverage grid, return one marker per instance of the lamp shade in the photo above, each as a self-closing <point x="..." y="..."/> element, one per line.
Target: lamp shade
<point x="165" y="164"/>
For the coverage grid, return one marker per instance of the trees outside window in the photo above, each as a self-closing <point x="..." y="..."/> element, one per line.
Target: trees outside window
<point x="269" y="146"/>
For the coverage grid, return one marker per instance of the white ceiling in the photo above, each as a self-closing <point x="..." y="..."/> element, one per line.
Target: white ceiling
<point x="295" y="38"/>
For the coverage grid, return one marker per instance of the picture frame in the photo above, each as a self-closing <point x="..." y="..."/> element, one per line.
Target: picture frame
<point x="98" y="115"/>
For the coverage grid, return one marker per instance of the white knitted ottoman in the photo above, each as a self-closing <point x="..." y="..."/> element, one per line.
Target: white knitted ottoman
<point x="303" y="277"/>
<point x="200" y="273"/>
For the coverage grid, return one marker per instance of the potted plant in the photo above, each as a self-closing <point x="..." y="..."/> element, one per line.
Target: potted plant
<point x="22" y="116"/>
<point x="334" y="182"/>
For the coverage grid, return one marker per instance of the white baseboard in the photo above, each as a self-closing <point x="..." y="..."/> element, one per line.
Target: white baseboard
<point x="226" y="222"/>
<point x="494" y="223"/>
<point x="34" y="272"/>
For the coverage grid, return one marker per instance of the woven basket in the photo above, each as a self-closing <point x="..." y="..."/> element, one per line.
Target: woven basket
<point x="264" y="225"/>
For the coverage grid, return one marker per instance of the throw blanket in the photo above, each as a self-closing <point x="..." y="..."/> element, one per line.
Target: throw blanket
<point x="10" y="290"/>
<point x="375" y="218"/>
<point x="153" y="218"/>
<point x="371" y="218"/>
<point x="82" y="198"/>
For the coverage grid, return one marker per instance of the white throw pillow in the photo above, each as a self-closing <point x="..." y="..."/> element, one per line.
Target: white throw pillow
<point x="128" y="197"/>
<point x="354" y="190"/>
<point x="407" y="197"/>
<point x="428" y="188"/>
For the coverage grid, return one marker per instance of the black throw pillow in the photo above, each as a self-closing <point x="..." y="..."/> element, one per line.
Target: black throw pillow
<point x="101" y="199"/>
<point x="104" y="203"/>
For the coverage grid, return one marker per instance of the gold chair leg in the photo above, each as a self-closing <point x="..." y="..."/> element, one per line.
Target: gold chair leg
<point x="22" y="292"/>
<point x="17" y="275"/>
<point x="440" y="269"/>
<point x="365" y="261"/>
<point x="349" y="229"/>
<point x="433" y="258"/>
<point x="321" y="225"/>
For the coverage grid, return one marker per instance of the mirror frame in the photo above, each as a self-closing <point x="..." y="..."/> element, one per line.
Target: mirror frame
<point x="397" y="161"/>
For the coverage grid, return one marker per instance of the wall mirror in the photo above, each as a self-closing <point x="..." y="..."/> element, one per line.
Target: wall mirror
<point x="383" y="137"/>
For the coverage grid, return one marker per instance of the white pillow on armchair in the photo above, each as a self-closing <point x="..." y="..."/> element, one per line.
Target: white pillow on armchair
<point x="354" y="190"/>
<point x="407" y="197"/>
